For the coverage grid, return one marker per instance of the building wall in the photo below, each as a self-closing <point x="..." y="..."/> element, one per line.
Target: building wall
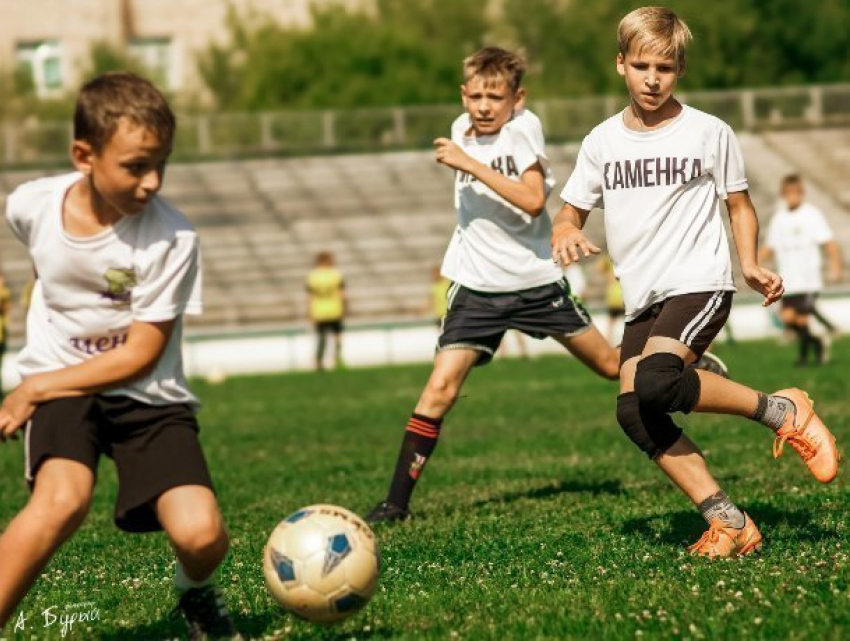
<point x="189" y="26"/>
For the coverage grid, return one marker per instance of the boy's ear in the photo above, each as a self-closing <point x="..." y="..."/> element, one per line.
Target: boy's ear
<point x="621" y="64"/>
<point x="81" y="156"/>
<point x="519" y="98"/>
<point x="463" y="94"/>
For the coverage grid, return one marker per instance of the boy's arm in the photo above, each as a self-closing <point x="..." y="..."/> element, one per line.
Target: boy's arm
<point x="130" y="361"/>
<point x="833" y="254"/>
<point x="569" y="244"/>
<point x="528" y="194"/>
<point x="745" y="231"/>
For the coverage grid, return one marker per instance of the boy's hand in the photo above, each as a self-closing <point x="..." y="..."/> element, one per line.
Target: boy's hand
<point x="451" y="155"/>
<point x="16" y="410"/>
<point x="569" y="245"/>
<point x="765" y="282"/>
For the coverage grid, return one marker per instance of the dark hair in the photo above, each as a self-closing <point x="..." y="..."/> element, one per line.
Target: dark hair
<point x="102" y="102"/>
<point x="791" y="179"/>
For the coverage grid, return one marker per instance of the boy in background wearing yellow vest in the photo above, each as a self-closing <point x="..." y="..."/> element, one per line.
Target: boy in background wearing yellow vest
<point x="438" y="299"/>
<point x="327" y="306"/>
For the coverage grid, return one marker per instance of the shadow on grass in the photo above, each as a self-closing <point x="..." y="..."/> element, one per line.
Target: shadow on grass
<point x="571" y="486"/>
<point x="686" y="526"/>
<point x="268" y="625"/>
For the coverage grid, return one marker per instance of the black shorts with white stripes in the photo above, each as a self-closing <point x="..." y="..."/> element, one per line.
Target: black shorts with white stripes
<point x="478" y="320"/>
<point x="692" y="319"/>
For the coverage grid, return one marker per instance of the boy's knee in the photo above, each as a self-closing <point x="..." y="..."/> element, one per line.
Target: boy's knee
<point x="628" y="416"/>
<point x="655" y="434"/>
<point x="62" y="509"/>
<point x="664" y="384"/>
<point x="202" y="536"/>
<point x="442" y="390"/>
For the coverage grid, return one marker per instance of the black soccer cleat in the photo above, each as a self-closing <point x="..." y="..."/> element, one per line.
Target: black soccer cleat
<point x="711" y="363"/>
<point x="206" y="615"/>
<point x="386" y="512"/>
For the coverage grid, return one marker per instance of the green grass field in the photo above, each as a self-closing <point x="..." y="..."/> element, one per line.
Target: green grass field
<point x="536" y="518"/>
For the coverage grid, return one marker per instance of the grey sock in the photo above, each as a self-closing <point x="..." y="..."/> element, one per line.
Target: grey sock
<point x="772" y="410"/>
<point x="718" y="506"/>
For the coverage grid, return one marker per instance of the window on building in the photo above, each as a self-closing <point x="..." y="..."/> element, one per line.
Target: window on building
<point x="41" y="63"/>
<point x="156" y="55"/>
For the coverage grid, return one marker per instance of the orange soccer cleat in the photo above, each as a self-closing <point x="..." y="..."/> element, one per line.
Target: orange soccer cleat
<point x="724" y="541"/>
<point x="809" y="437"/>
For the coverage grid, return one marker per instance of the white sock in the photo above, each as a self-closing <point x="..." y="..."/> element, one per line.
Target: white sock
<point x="182" y="582"/>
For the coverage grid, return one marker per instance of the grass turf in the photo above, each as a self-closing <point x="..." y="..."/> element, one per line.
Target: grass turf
<point x="536" y="517"/>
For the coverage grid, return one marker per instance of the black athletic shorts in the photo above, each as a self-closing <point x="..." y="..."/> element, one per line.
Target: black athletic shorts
<point x="800" y="303"/>
<point x="155" y="448"/>
<point x="478" y="320"/>
<point x="692" y="319"/>
<point x="334" y="327"/>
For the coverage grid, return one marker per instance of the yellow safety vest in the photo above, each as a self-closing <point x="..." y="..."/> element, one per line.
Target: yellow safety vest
<point x="325" y="285"/>
<point x="439" y="297"/>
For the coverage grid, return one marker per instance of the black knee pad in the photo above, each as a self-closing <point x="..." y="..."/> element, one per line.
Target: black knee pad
<point x="664" y="384"/>
<point x="661" y="429"/>
<point x="629" y="418"/>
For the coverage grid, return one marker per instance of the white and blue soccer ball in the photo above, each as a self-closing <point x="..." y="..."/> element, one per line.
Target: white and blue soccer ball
<point x="321" y="563"/>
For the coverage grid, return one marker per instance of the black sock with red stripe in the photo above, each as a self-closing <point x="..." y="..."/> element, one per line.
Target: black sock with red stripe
<point x="420" y="439"/>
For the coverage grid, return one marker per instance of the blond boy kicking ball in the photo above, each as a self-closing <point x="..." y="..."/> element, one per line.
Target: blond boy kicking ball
<point x="661" y="169"/>
<point x="102" y="373"/>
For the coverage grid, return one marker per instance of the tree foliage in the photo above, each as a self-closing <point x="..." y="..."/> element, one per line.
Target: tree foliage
<point x="409" y="51"/>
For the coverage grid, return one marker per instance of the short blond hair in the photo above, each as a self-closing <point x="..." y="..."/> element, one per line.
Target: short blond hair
<point x="494" y="64"/>
<point x="656" y="29"/>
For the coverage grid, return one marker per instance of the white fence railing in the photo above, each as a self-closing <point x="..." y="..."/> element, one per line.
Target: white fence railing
<point x="308" y="132"/>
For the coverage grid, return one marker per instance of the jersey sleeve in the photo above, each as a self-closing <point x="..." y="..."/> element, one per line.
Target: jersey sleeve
<point x="18" y="216"/>
<point x="170" y="284"/>
<point x="820" y="229"/>
<point x="584" y="186"/>
<point x="529" y="147"/>
<point x="729" y="171"/>
<point x="459" y="128"/>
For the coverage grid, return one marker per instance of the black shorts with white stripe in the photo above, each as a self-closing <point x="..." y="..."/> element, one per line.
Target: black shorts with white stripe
<point x="692" y="319"/>
<point x="478" y="320"/>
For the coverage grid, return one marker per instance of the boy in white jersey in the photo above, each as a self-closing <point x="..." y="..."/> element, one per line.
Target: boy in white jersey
<point x="102" y="371"/>
<point x="498" y="258"/>
<point x="796" y="235"/>
<point x="660" y="170"/>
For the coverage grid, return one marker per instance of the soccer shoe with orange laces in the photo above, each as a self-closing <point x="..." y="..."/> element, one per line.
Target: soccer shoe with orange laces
<point x="723" y="541"/>
<point x="809" y="437"/>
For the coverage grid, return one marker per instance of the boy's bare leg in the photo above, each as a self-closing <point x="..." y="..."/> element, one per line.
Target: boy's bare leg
<point x="591" y="348"/>
<point x="58" y="505"/>
<point x="683" y="463"/>
<point x="718" y="395"/>
<point x="451" y="367"/>
<point x="190" y="516"/>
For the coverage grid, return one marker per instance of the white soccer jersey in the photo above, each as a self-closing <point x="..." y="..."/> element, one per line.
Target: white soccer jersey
<point x="497" y="247"/>
<point x="662" y="192"/>
<point x="90" y="290"/>
<point x="796" y="238"/>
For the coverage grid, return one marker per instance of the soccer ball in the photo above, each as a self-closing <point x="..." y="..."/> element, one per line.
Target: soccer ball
<point x="321" y="563"/>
